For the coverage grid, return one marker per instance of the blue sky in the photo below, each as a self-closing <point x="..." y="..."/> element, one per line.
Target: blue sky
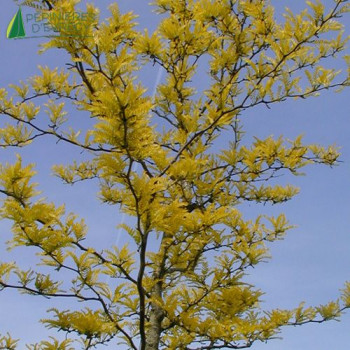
<point x="310" y="265"/>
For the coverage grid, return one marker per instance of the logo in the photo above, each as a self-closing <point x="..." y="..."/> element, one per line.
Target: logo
<point x="36" y="23"/>
<point x="16" y="27"/>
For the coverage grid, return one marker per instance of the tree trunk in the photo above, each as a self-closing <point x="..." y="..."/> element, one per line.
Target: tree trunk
<point x="153" y="333"/>
<point x="155" y="320"/>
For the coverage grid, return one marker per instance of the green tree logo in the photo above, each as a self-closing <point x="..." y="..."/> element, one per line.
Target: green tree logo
<point x="16" y="28"/>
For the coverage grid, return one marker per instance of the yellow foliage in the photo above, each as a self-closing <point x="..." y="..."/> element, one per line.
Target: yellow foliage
<point x="180" y="282"/>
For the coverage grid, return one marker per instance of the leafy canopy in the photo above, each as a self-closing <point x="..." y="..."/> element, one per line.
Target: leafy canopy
<point x="180" y="283"/>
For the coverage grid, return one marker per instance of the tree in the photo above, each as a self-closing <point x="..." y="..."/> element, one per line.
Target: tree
<point x="180" y="283"/>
